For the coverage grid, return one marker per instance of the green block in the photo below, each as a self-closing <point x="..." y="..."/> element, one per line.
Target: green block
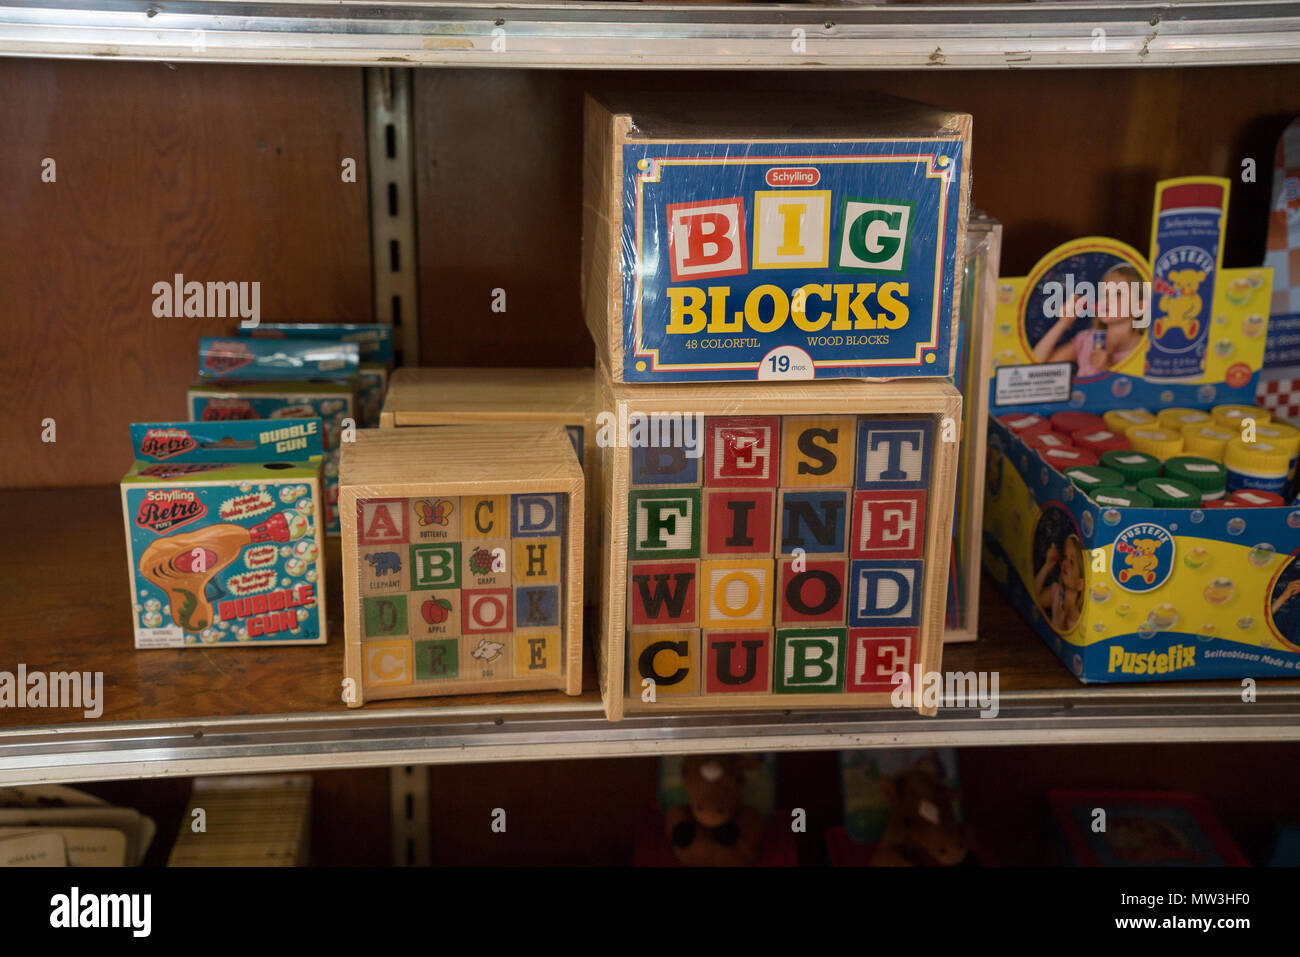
<point x="663" y="523"/>
<point x="435" y="566"/>
<point x="435" y="659"/>
<point x="809" y="660"/>
<point x="384" y="616"/>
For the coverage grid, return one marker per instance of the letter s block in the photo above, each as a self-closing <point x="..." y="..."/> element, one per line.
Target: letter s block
<point x="817" y="450"/>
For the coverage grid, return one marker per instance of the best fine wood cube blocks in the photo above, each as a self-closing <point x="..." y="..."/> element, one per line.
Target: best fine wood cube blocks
<point x="739" y="237"/>
<point x="454" y="396"/>
<point x="461" y="551"/>
<point x="783" y="546"/>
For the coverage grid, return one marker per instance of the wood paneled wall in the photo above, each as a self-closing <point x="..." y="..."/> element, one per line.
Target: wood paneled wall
<point x="218" y="173"/>
<point x="232" y="173"/>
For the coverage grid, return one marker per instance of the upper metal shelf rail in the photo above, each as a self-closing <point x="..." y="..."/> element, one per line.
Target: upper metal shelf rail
<point x="659" y="36"/>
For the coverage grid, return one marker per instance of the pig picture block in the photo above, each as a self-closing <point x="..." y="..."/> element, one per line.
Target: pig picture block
<point x="462" y="558"/>
<point x="776" y="547"/>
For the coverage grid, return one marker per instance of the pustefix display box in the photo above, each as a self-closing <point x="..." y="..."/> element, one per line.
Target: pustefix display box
<point x="774" y="548"/>
<point x="741" y="237"/>
<point x="462" y="551"/>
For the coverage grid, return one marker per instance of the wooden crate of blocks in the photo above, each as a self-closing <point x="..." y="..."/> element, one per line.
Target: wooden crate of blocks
<point x="567" y="397"/>
<point x="773" y="547"/>
<point x="979" y="290"/>
<point x="461" y="555"/>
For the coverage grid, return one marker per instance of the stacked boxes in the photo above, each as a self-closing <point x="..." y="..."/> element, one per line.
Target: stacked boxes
<point x="462" y="550"/>
<point x="567" y="397"/>
<point x="790" y="555"/>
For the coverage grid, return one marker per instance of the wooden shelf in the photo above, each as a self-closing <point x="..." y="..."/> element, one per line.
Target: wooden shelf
<point x="660" y="36"/>
<point x="65" y="606"/>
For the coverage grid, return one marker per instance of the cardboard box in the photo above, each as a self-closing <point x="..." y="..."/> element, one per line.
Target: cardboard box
<point x="223" y="536"/>
<point x="758" y="557"/>
<point x="732" y="237"/>
<point x="462" y="557"/>
<point x="1129" y="593"/>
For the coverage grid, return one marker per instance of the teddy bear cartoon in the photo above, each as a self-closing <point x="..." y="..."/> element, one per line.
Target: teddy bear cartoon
<point x="1140" y="557"/>
<point x="923" y="830"/>
<point x="715" y="828"/>
<point x="1183" y="305"/>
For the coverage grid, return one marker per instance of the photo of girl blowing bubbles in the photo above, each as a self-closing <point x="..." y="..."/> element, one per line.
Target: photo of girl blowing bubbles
<point x="1096" y="336"/>
<point x="1058" y="558"/>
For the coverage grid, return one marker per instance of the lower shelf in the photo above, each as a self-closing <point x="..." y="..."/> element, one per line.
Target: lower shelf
<point x="65" y="606"/>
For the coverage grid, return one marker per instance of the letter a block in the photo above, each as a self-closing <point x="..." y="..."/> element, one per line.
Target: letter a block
<point x="462" y="557"/>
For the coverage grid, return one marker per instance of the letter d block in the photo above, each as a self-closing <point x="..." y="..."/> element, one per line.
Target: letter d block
<point x="533" y="516"/>
<point x="663" y="466"/>
<point x="668" y="658"/>
<point x="663" y="523"/>
<point x="884" y="594"/>
<point x="737" y="593"/>
<point x="876" y="655"/>
<point x="809" y="661"/>
<point x="737" y="662"/>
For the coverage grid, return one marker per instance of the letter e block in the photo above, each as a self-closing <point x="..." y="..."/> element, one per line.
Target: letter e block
<point x="437" y="659"/>
<point x="538" y="652"/>
<point x="741" y="451"/>
<point x="889" y="524"/>
<point x="876" y="655"/>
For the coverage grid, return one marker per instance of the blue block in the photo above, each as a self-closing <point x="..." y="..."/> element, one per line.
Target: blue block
<point x="894" y="453"/>
<point x="532" y="516"/>
<point x="537" y="606"/>
<point x="816" y="521"/>
<point x="884" y="593"/>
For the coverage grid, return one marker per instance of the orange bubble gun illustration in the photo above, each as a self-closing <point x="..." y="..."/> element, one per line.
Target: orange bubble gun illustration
<point x="184" y="565"/>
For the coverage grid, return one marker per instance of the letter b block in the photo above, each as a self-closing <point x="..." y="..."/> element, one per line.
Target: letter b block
<point x="809" y="661"/>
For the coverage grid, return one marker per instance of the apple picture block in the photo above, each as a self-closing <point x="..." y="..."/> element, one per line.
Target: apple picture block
<point x="462" y="559"/>
<point x="774" y="547"/>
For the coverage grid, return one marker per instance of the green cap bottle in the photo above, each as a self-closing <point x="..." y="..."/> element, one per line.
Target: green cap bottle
<point x="1123" y="497"/>
<point x="1166" y="492"/>
<point x="1089" y="477"/>
<point x="1133" y="465"/>
<point x="1206" y="474"/>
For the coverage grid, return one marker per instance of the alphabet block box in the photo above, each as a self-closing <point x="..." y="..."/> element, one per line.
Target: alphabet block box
<point x="462" y="551"/>
<point x="733" y="237"/>
<point x="776" y="547"/>
<point x="564" y="397"/>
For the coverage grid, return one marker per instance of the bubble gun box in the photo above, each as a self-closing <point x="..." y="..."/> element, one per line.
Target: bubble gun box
<point x="266" y="379"/>
<point x="1132" y="512"/>
<point x="223" y="533"/>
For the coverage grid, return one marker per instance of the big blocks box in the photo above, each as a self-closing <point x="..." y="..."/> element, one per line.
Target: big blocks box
<point x="775" y="237"/>
<point x="462" y="558"/>
<point x="452" y="396"/>
<point x="784" y="547"/>
<point x="223" y="534"/>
